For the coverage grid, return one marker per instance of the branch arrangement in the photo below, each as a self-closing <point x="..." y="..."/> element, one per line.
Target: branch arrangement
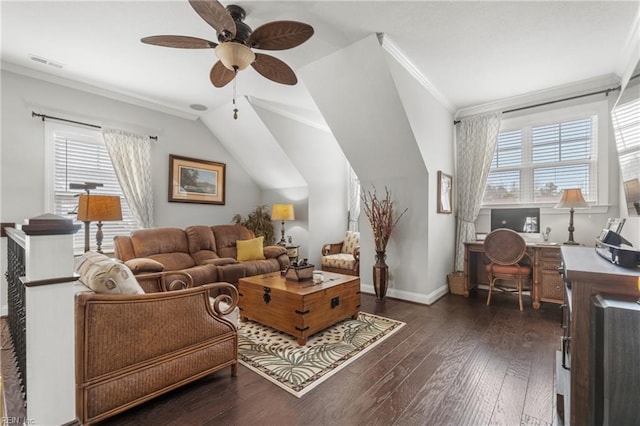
<point x="381" y="216"/>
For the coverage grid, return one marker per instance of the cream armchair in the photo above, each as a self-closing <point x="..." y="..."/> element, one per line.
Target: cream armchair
<point x="343" y="257"/>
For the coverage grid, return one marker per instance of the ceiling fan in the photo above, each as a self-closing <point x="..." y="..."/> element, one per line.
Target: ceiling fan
<point x="236" y="41"/>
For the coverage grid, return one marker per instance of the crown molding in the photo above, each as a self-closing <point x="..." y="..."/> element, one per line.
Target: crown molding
<point x="594" y="84"/>
<point x="111" y="93"/>
<point x="414" y="71"/>
<point x="275" y="108"/>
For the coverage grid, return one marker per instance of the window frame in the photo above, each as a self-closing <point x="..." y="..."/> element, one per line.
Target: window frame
<point x="51" y="129"/>
<point x="598" y="109"/>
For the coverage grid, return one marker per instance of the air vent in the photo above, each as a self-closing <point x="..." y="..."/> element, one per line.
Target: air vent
<point x="45" y="61"/>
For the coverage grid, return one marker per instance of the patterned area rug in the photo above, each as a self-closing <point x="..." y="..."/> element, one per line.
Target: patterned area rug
<point x="297" y="369"/>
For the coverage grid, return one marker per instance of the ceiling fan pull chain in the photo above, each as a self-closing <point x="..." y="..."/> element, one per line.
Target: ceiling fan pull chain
<point x="235" y="109"/>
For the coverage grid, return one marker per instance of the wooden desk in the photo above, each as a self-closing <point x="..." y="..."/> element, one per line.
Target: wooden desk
<point x="588" y="274"/>
<point x="547" y="283"/>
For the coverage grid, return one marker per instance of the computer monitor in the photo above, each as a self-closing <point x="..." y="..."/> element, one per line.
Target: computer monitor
<point x="522" y="220"/>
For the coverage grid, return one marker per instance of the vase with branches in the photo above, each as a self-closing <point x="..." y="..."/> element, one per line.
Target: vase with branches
<point x="383" y="219"/>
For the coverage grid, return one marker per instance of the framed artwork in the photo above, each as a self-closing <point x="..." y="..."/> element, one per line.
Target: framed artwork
<point x="196" y="181"/>
<point x="445" y="193"/>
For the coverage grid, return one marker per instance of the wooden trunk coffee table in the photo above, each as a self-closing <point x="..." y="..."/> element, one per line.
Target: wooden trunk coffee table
<point x="299" y="308"/>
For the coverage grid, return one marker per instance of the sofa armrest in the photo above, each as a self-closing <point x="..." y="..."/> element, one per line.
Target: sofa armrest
<point x="273" y="252"/>
<point x="225" y="302"/>
<point x="356" y="253"/>
<point x="221" y="261"/>
<point x="332" y="248"/>
<point x="165" y="281"/>
<point x="142" y="264"/>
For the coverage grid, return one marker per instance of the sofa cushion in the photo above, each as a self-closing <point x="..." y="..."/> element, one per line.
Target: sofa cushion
<point x="257" y="267"/>
<point x="202" y="243"/>
<point x="340" y="261"/>
<point x="153" y="241"/>
<point x="226" y="237"/>
<point x="351" y="242"/>
<point x="250" y="249"/>
<point x="103" y="274"/>
<point x="174" y="261"/>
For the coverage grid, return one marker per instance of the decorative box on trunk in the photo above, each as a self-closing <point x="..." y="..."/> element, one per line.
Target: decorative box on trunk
<point x="299" y="273"/>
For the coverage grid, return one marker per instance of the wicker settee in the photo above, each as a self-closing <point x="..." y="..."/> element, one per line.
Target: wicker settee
<point x="131" y="348"/>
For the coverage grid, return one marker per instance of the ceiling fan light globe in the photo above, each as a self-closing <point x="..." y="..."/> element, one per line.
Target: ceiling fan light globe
<point x="235" y="55"/>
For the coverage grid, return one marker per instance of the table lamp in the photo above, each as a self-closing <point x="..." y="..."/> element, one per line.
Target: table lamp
<point x="571" y="199"/>
<point x="99" y="208"/>
<point x="282" y="212"/>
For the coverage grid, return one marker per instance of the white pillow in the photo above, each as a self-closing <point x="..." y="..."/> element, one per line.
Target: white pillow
<point x="103" y="274"/>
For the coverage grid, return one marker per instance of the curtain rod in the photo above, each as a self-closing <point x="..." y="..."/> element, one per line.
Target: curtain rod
<point x="605" y="91"/>
<point x="95" y="126"/>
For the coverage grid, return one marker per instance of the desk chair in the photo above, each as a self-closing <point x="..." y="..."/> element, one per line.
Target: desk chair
<point x="506" y="249"/>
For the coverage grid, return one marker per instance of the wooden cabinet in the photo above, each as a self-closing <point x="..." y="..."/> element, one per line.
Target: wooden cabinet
<point x="586" y="275"/>
<point x="548" y="260"/>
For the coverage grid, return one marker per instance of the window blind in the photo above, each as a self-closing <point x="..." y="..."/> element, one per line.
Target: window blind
<point x="535" y="164"/>
<point x="626" y="124"/>
<point x="78" y="160"/>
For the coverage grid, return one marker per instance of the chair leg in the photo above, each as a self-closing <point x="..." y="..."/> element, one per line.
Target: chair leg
<point x="491" y="281"/>
<point x="520" y="292"/>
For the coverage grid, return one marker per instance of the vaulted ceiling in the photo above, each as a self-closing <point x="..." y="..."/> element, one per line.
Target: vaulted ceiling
<point x="472" y="53"/>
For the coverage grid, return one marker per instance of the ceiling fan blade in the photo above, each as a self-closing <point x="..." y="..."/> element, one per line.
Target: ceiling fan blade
<point x="274" y="69"/>
<point x="220" y="75"/>
<point x="280" y="35"/>
<point x="182" y="42"/>
<point x="215" y="15"/>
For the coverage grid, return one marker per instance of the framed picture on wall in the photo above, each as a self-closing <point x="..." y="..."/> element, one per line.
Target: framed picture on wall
<point x="445" y="193"/>
<point x="196" y="181"/>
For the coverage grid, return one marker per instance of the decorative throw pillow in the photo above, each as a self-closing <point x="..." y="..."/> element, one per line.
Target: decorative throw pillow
<point x="103" y="274"/>
<point x="250" y="249"/>
<point x="351" y="241"/>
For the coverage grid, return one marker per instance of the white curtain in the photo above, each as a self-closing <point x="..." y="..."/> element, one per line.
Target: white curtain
<point x="354" y="201"/>
<point x="476" y="139"/>
<point x="131" y="158"/>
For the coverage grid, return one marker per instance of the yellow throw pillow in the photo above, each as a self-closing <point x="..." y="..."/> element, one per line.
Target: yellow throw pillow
<point x="250" y="249"/>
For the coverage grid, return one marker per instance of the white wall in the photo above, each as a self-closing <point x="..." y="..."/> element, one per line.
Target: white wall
<point x="432" y="126"/>
<point x="354" y="90"/>
<point x="318" y="157"/>
<point x="22" y="162"/>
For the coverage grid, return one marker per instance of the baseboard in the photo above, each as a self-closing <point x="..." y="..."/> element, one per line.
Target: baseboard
<point x="410" y="296"/>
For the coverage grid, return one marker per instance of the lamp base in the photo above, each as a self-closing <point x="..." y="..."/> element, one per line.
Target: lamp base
<point x="571" y="243"/>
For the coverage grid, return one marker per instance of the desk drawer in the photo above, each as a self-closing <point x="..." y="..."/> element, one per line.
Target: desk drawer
<point x="552" y="287"/>
<point x="551" y="253"/>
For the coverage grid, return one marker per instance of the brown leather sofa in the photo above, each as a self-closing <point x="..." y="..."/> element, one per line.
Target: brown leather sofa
<point x="207" y="253"/>
<point x="130" y="348"/>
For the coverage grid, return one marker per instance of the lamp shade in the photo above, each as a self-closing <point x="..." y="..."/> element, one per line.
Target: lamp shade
<point x="572" y="199"/>
<point x="103" y="208"/>
<point x="282" y="212"/>
<point x="235" y="55"/>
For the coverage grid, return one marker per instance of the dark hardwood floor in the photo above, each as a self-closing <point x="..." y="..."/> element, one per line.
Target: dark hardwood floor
<point x="457" y="362"/>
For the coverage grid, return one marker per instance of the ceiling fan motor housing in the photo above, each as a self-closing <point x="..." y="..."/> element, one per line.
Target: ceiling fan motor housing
<point x="243" y="31"/>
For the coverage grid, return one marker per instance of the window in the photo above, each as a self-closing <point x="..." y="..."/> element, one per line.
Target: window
<point x="535" y="161"/>
<point x="77" y="155"/>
